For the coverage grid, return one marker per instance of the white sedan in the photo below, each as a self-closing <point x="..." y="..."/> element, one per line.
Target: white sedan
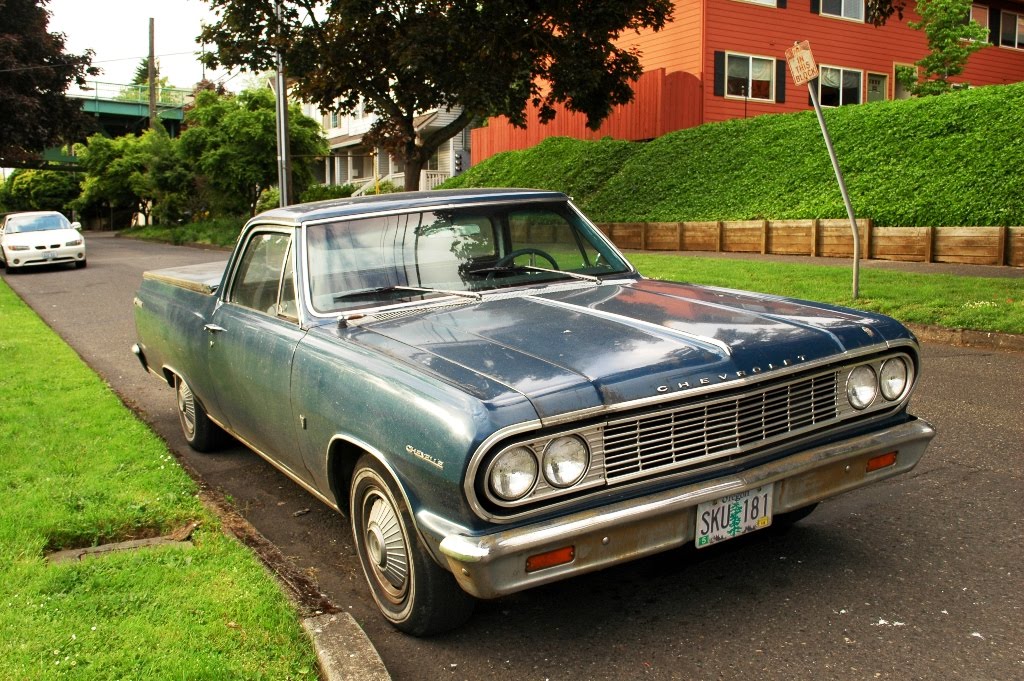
<point x="40" y="238"/>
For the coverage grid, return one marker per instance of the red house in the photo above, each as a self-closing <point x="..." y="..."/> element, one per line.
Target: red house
<point x="722" y="59"/>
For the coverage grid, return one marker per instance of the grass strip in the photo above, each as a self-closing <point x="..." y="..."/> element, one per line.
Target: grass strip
<point x="950" y="301"/>
<point x="77" y="469"/>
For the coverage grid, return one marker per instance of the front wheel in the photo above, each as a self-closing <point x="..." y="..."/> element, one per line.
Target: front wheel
<point x="80" y="264"/>
<point x="202" y="434"/>
<point x="412" y="591"/>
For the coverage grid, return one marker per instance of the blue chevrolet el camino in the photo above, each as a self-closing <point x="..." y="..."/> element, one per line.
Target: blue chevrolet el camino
<point x="498" y="399"/>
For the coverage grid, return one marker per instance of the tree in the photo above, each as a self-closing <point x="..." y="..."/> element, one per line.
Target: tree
<point x="952" y="38"/>
<point x="39" y="190"/>
<point x="230" y="142"/>
<point x="35" y="73"/>
<point x="403" y="58"/>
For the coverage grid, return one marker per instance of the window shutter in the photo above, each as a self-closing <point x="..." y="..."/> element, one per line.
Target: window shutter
<point x="780" y="81"/>
<point x="719" y="74"/>
<point x="994" y="27"/>
<point x="815" y="6"/>
<point x="781" y="4"/>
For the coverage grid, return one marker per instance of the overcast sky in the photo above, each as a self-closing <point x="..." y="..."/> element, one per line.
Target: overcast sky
<point x="118" y="32"/>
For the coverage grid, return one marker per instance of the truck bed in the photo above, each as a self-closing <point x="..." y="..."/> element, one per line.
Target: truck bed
<point x="202" y="278"/>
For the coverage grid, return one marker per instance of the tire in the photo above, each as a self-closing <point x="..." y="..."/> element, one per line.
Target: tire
<point x="202" y="434"/>
<point x="411" y="590"/>
<point x="80" y="264"/>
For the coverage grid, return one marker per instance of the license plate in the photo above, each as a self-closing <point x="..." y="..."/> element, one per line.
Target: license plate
<point x="733" y="516"/>
<point x="49" y="255"/>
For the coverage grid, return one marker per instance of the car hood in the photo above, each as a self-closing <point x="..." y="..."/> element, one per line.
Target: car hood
<point x="580" y="347"/>
<point x="49" y="237"/>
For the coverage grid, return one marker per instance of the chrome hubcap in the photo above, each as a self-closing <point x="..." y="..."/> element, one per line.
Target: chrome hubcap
<point x="186" y="407"/>
<point x="386" y="547"/>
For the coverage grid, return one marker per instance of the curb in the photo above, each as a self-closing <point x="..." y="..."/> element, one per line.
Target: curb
<point x="988" y="340"/>
<point x="343" y="649"/>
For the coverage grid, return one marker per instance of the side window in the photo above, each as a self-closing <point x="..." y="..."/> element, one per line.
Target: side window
<point x="258" y="277"/>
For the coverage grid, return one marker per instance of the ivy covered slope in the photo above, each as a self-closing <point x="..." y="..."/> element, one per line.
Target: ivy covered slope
<point x="957" y="159"/>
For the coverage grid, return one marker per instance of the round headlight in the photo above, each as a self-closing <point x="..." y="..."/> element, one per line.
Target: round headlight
<point x="893" y="378"/>
<point x="513" y="473"/>
<point x="565" y="461"/>
<point x="861" y="386"/>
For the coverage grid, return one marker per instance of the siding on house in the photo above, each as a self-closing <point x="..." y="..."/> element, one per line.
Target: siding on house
<point x="678" y="89"/>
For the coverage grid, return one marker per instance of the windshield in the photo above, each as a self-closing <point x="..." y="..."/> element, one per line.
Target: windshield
<point x="17" y="224"/>
<point x="378" y="260"/>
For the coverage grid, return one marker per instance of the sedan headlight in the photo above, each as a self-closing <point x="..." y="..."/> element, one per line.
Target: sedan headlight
<point x="861" y="387"/>
<point x="893" y="378"/>
<point x="565" y="461"/>
<point x="514" y="473"/>
<point x="17" y="247"/>
<point x="76" y="242"/>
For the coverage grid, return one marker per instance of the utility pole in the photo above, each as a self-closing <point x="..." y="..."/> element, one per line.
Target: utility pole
<point x="154" y="120"/>
<point x="284" y="157"/>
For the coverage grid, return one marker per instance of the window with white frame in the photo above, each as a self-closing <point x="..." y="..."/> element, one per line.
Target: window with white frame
<point x="846" y="9"/>
<point x="1012" y="30"/>
<point x="749" y="77"/>
<point x="838" y="86"/>
<point x="770" y="3"/>
<point x="979" y="15"/>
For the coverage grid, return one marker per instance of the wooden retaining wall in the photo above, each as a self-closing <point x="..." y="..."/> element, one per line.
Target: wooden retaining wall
<point x="827" y="238"/>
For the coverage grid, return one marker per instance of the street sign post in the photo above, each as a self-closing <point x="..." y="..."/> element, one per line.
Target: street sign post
<point x="804" y="70"/>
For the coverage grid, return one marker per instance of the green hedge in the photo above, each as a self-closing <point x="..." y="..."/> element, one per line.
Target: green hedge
<point x="957" y="159"/>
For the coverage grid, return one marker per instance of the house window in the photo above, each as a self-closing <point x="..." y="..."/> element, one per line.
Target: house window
<point x="770" y="3"/>
<point x="979" y="15"/>
<point x="1012" y="33"/>
<point x="749" y="77"/>
<point x="334" y="119"/>
<point x="839" y="87"/>
<point x="846" y="9"/>
<point x="878" y="87"/>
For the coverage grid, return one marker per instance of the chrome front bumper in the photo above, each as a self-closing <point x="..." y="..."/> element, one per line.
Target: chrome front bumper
<point x="495" y="565"/>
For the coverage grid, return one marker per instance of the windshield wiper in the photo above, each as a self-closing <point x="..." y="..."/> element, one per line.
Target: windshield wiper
<point x="533" y="268"/>
<point x="415" y="289"/>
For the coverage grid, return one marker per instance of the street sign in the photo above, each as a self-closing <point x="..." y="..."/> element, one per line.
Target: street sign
<point x="801" y="62"/>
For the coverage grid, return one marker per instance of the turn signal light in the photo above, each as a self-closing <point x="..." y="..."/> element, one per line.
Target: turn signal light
<point x="881" y="461"/>
<point x="548" y="559"/>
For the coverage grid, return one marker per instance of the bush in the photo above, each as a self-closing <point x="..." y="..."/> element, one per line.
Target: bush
<point x="321" y="192"/>
<point x="957" y="159"/>
<point x="269" y="198"/>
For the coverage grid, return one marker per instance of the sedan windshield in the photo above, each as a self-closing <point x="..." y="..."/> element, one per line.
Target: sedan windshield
<point x="374" y="261"/>
<point x="35" y="223"/>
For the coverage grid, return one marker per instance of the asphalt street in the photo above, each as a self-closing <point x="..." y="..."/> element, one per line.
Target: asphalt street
<point x="920" y="577"/>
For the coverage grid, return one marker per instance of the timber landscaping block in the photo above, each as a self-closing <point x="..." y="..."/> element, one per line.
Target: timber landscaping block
<point x="908" y="244"/>
<point x="743" y="236"/>
<point x="662" y="236"/>
<point x="1015" y="246"/>
<point x="969" y="245"/>
<point x="700" y="236"/>
<point x="791" y="237"/>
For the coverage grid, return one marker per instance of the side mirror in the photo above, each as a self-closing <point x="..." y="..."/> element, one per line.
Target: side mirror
<point x="76" y="225"/>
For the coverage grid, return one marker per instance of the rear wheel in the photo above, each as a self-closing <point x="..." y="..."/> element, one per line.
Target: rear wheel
<point x="412" y="591"/>
<point x="202" y="434"/>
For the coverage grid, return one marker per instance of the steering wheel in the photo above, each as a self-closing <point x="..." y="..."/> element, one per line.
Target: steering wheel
<point x="507" y="260"/>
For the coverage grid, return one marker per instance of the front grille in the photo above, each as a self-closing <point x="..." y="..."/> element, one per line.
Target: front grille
<point x="707" y="433"/>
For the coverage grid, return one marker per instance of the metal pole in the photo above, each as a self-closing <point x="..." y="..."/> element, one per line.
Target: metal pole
<point x="284" y="169"/>
<point x="842" y="188"/>
<point x="151" y="76"/>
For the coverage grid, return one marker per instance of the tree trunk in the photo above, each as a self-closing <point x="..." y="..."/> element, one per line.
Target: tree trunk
<point x="413" y="165"/>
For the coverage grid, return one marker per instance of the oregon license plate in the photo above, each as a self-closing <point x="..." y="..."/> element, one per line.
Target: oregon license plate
<point x="733" y="516"/>
<point x="49" y="255"/>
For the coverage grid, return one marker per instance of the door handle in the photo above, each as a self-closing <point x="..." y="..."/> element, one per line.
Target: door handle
<point x="213" y="328"/>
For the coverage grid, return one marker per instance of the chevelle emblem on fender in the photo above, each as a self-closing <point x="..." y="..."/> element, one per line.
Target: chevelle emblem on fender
<point x="419" y="454"/>
<point x="729" y="376"/>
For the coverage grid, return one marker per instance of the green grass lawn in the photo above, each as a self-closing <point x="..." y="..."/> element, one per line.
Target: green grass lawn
<point x="979" y="303"/>
<point x="77" y="469"/>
